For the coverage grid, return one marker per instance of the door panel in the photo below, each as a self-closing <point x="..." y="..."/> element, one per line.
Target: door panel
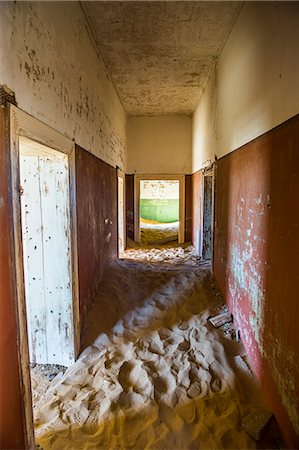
<point x="47" y="258"/>
<point x="207" y="217"/>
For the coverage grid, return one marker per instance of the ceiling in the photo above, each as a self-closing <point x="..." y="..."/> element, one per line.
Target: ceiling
<point x="159" y="54"/>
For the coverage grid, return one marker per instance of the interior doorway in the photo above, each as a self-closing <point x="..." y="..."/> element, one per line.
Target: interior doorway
<point x="208" y="215"/>
<point x="159" y="212"/>
<point x="121" y="212"/>
<point x="46" y="237"/>
<point x="42" y="163"/>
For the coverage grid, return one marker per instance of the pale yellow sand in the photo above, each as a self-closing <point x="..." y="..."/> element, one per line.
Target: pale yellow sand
<point x="158" y="232"/>
<point x="155" y="374"/>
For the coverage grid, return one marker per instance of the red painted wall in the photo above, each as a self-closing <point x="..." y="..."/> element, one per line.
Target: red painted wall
<point x="11" y="407"/>
<point x="196" y="209"/>
<point x="96" y="192"/>
<point x="256" y="261"/>
<point x="188" y="208"/>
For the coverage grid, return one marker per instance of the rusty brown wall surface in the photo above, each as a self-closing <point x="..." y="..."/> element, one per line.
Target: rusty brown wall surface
<point x="196" y="209"/>
<point x="188" y="208"/>
<point x="11" y="405"/>
<point x="256" y="261"/>
<point x="130" y="206"/>
<point x="96" y="196"/>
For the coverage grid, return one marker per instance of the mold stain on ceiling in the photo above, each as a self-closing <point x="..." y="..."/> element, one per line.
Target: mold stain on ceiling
<point x="159" y="55"/>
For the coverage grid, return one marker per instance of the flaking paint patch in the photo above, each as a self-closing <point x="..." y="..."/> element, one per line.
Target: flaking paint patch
<point x="285" y="380"/>
<point x="59" y="78"/>
<point x="244" y="278"/>
<point x="246" y="271"/>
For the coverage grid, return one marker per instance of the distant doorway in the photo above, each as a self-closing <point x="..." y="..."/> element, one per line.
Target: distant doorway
<point x="207" y="221"/>
<point x="159" y="209"/>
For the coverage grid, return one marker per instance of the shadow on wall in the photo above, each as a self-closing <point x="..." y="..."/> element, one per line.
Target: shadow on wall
<point x="257" y="258"/>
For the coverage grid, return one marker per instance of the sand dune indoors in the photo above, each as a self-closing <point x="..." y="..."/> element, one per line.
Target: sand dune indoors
<point x="154" y="374"/>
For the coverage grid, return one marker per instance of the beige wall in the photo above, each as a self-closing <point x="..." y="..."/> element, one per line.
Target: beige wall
<point x="159" y="189"/>
<point x="204" y="130"/>
<point x="159" y="144"/>
<point x="257" y="81"/>
<point x="49" y="60"/>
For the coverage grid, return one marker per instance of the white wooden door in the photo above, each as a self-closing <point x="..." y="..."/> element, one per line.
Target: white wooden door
<point x="45" y="215"/>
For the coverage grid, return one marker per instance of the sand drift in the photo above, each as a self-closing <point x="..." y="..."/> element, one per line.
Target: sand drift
<point x="155" y="374"/>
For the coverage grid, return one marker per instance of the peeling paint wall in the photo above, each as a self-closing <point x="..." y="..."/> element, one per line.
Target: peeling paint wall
<point x="48" y="59"/>
<point x="254" y="86"/>
<point x="256" y="261"/>
<point x="159" y="144"/>
<point x="256" y="226"/>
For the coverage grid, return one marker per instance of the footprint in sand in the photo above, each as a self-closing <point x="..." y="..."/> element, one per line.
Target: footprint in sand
<point x="164" y="384"/>
<point x="132" y="375"/>
<point x="194" y="390"/>
<point x="184" y="346"/>
<point x="164" y="333"/>
<point x="170" y="345"/>
<point x="216" y="383"/>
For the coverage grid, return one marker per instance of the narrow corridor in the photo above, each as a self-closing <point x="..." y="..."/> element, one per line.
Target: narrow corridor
<point x="155" y="373"/>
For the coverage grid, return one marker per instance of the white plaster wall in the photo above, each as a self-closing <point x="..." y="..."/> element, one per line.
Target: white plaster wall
<point x="204" y="130"/>
<point x="258" y="73"/>
<point x="159" y="144"/>
<point x="257" y="81"/>
<point x="49" y="60"/>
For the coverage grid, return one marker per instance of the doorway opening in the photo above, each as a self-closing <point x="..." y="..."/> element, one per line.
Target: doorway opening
<point x="207" y="221"/>
<point x="47" y="261"/>
<point x="45" y="249"/>
<point x="121" y="212"/>
<point x="159" y="209"/>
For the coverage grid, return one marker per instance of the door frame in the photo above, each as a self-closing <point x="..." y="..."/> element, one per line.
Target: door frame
<point x="22" y="124"/>
<point x="181" y="179"/>
<point x="209" y="171"/>
<point x="121" y="174"/>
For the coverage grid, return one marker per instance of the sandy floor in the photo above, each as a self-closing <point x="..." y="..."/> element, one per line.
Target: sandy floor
<point x="155" y="374"/>
<point x="158" y="233"/>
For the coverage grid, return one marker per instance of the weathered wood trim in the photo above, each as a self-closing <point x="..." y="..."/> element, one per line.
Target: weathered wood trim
<point x="22" y="124"/>
<point x="181" y="179"/>
<point x="208" y="171"/>
<point x="25" y="379"/>
<point x="74" y="242"/>
<point x="121" y="174"/>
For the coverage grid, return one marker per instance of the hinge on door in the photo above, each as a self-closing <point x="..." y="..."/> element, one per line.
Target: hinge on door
<point x="6" y="96"/>
<point x="21" y="190"/>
